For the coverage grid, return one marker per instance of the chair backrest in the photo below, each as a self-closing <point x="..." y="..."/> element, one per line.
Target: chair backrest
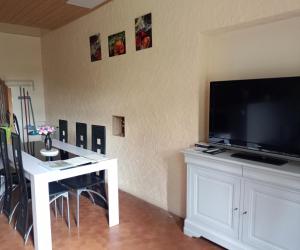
<point x="99" y="146"/>
<point x="3" y="148"/>
<point x="22" y="219"/>
<point x="63" y="130"/>
<point x="16" y="124"/>
<point x="7" y="203"/>
<point x="99" y="139"/>
<point x="81" y="135"/>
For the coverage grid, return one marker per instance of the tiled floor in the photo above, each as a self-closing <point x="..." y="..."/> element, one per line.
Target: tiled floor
<point x="142" y="226"/>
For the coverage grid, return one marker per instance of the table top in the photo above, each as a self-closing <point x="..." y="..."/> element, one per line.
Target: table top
<point x="34" y="148"/>
<point x="33" y="166"/>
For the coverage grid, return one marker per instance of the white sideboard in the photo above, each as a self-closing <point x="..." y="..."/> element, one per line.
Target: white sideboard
<point x="241" y="204"/>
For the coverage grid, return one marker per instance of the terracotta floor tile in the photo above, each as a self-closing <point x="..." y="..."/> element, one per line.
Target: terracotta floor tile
<point x="142" y="226"/>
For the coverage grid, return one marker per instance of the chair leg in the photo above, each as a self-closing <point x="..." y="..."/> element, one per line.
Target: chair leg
<point x="15" y="226"/>
<point x="3" y="193"/>
<point x="62" y="207"/>
<point x="78" y="192"/>
<point x="12" y="213"/>
<point x="2" y="196"/>
<point x="55" y="208"/>
<point x="68" y="211"/>
<point x="27" y="234"/>
<point x="96" y="193"/>
<point x="91" y="196"/>
<point x="2" y="203"/>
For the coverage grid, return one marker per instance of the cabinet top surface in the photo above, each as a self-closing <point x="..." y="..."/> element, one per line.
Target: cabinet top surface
<point x="290" y="168"/>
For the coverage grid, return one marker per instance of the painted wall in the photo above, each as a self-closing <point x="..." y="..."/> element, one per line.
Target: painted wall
<point x="20" y="59"/>
<point x="216" y="15"/>
<point x="162" y="91"/>
<point x="269" y="50"/>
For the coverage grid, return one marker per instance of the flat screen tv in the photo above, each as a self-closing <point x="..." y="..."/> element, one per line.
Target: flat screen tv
<point x="259" y="115"/>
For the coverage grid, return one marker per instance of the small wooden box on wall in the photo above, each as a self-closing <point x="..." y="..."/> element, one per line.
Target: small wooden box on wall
<point x="119" y="126"/>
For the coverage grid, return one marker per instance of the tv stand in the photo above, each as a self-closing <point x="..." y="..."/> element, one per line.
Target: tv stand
<point x="242" y="205"/>
<point x="260" y="158"/>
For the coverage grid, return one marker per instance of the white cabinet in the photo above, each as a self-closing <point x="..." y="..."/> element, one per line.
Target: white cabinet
<point x="215" y="200"/>
<point x="241" y="204"/>
<point x="273" y="217"/>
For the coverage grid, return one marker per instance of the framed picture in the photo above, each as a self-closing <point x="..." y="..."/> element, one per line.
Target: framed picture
<point x="117" y="44"/>
<point x="143" y="32"/>
<point x="95" y="48"/>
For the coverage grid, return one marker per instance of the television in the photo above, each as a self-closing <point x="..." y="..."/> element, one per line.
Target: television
<point x="258" y="115"/>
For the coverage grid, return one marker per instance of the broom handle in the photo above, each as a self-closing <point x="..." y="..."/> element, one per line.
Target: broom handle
<point x="27" y="103"/>
<point x="22" y="118"/>
<point x="26" y="117"/>
<point x="33" y="120"/>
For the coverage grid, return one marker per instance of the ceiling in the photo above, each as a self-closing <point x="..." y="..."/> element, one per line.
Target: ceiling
<point x="39" y="14"/>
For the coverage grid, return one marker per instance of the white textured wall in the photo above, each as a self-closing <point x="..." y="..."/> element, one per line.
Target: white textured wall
<point x="162" y="91"/>
<point x="20" y="59"/>
<point x="269" y="50"/>
<point x="228" y="14"/>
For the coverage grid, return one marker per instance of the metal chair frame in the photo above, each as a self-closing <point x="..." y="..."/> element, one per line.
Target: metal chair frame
<point x="98" y="132"/>
<point x="63" y="195"/>
<point x="10" y="186"/>
<point x="23" y="226"/>
<point x="89" y="192"/>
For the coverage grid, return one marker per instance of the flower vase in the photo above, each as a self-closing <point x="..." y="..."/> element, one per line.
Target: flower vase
<point x="48" y="142"/>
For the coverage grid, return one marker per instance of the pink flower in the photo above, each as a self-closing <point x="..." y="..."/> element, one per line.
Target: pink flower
<point x="46" y="130"/>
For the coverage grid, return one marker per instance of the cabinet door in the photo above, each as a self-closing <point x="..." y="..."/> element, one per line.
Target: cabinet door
<point x="271" y="218"/>
<point x="214" y="199"/>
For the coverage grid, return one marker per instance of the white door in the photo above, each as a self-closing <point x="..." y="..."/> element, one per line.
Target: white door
<point x="214" y="199"/>
<point x="271" y="219"/>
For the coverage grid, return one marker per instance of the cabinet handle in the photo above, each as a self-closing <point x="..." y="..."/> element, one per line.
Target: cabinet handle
<point x="235" y="209"/>
<point x="245" y="212"/>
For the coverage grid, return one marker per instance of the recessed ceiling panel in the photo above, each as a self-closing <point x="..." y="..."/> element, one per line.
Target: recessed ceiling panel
<point x="90" y="4"/>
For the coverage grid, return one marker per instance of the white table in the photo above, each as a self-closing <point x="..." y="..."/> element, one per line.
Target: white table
<point x="40" y="177"/>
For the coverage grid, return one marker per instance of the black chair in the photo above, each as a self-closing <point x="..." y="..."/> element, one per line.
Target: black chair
<point x="10" y="177"/>
<point x="81" y="135"/>
<point x="16" y="124"/>
<point x="63" y="136"/>
<point x="63" y="130"/>
<point x="99" y="139"/>
<point x="56" y="190"/>
<point x="2" y="174"/>
<point x="99" y="146"/>
<point x="93" y="185"/>
<point x="23" y="220"/>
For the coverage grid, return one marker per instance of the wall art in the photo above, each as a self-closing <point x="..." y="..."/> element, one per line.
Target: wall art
<point x="117" y="44"/>
<point x="95" y="47"/>
<point x="143" y="32"/>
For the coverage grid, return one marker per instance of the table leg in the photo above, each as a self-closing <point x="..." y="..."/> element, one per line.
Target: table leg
<point x="113" y="195"/>
<point x="41" y="213"/>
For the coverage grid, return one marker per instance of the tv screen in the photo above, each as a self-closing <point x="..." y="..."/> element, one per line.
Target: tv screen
<point x="257" y="114"/>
